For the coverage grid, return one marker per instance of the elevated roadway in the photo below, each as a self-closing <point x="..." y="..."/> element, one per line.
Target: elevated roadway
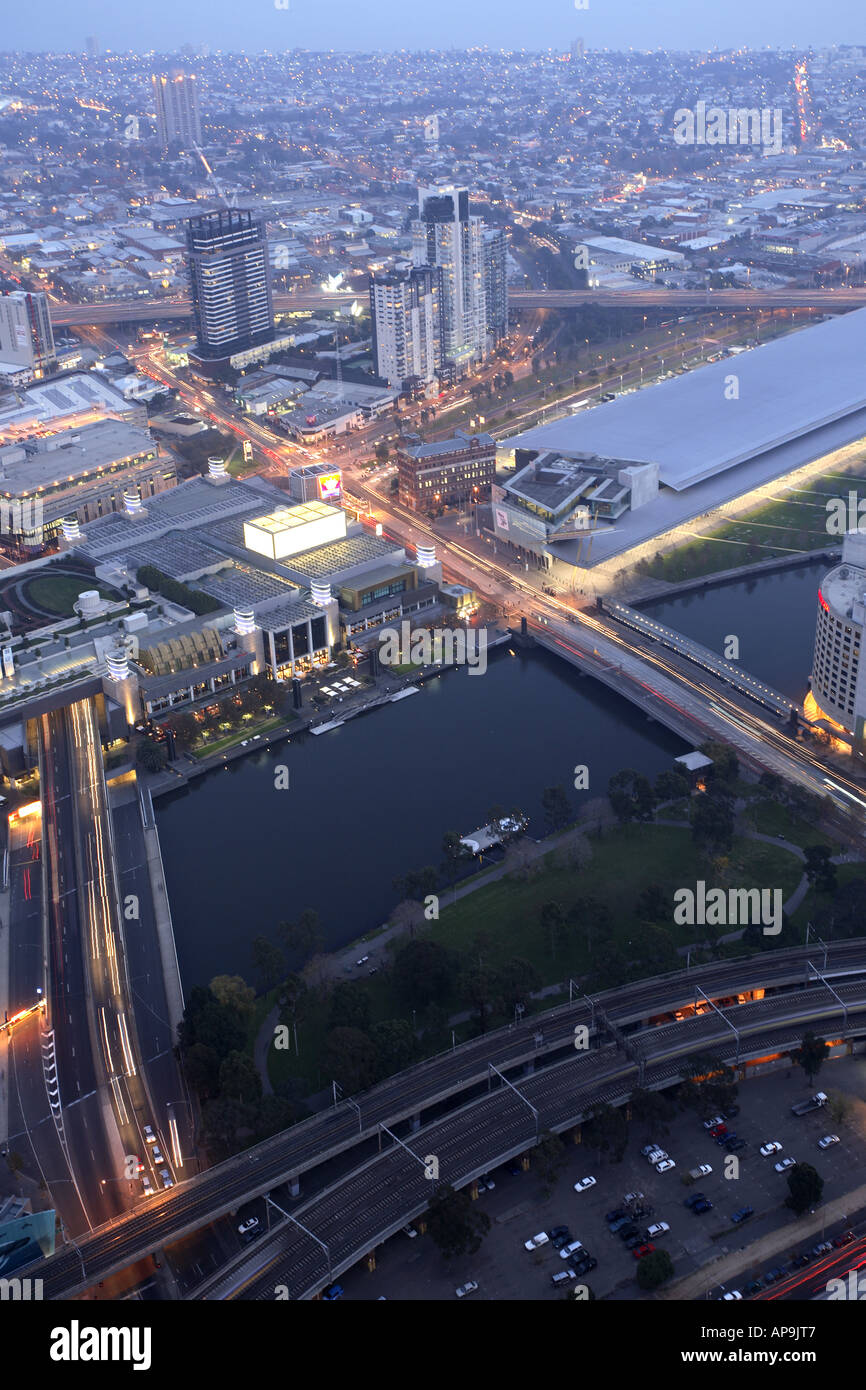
<point x="451" y="1077"/>
<point x="145" y="309"/>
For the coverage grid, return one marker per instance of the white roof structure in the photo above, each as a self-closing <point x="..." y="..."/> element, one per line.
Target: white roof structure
<point x="693" y="428"/>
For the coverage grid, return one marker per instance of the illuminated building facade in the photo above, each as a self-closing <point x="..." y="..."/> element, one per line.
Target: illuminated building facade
<point x="838" y="680"/>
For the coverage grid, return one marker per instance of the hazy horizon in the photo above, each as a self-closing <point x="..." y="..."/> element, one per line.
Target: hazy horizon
<point x="385" y="25"/>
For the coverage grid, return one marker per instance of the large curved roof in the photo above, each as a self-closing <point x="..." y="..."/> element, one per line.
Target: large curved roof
<point x="692" y="428"/>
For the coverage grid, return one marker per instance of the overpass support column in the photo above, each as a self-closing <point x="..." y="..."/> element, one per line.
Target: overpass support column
<point x="529" y="1068"/>
<point x="524" y="1162"/>
<point x="370" y="1261"/>
<point x="294" y="1187"/>
<point x="473" y="1190"/>
<point x="414" y="1124"/>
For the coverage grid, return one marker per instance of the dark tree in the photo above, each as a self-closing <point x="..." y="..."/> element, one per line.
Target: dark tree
<point x="269" y="961"/>
<point x="672" y="784"/>
<point x="239" y="1079"/>
<point x="396" y="1046"/>
<point x="556" y="806"/>
<point x="654" y="1269"/>
<point x="708" y="1085"/>
<point x="805" y="1187"/>
<point x="654" y="904"/>
<point x="631" y="796"/>
<point x="712" y="819"/>
<point x="516" y="980"/>
<point x="811" y="1055"/>
<point x="350" y="1007"/>
<point x="425" y="972"/>
<point x="457" y="1225"/>
<point x="349" y="1058"/>
<point x="548" y="1156"/>
<point x="607" y="1130"/>
<point x="820" y="869"/>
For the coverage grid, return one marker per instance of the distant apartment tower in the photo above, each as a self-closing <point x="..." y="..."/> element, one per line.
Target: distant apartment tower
<point x="26" y="335"/>
<point x="496" y="281"/>
<point x="91" y="46"/>
<point x="406" y="308"/>
<point x="177" y="114"/>
<point x="229" y="282"/>
<point x="447" y="235"/>
<point x="838" y="670"/>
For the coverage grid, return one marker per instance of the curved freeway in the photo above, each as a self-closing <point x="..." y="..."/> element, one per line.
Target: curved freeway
<point x="144" y="309"/>
<point x="170" y="1215"/>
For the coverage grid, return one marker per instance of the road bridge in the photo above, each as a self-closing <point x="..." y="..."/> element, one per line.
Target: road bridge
<point x="452" y="1077"/>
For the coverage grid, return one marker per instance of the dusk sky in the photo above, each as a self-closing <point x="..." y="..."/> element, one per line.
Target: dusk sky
<point x="164" y="25"/>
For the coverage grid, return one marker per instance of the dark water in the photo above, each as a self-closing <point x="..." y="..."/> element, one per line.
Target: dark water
<point x="374" y="799"/>
<point x="773" y="617"/>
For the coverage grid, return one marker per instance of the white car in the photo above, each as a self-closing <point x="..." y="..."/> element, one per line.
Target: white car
<point x="410" y="1232"/>
<point x="541" y="1239"/>
<point x="733" y="1295"/>
<point x="362" y="961"/>
<point x="828" y="1140"/>
<point x="249" y="1225"/>
<point x="167" y="1179"/>
<point x="772" y="1147"/>
<point x="147" y="1186"/>
<point x="786" y="1163"/>
<point x="568" y="1250"/>
<point x="716" y="1120"/>
<point x="485" y="1181"/>
<point x="704" y="1169"/>
<point x="633" y="1196"/>
<point x="584" y="1184"/>
<point x="665" y="1165"/>
<point x="648" y="1149"/>
<point x="149" y="1135"/>
<point x="469" y="1287"/>
<point x="656" y="1157"/>
<point x="658" y="1229"/>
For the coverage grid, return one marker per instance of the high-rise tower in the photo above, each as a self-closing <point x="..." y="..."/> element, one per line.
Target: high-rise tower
<point x="447" y="235"/>
<point x="177" y="114"/>
<point x="231" y="292"/>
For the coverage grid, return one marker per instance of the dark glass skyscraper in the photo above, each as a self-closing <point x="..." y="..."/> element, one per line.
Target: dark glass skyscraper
<point x="229" y="280"/>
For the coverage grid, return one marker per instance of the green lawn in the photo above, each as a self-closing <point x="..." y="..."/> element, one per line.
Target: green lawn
<point x="770" y="818"/>
<point x="57" y="593"/>
<point x="815" y="902"/>
<point x="796" y="523"/>
<point x="265" y="726"/>
<point x="501" y="920"/>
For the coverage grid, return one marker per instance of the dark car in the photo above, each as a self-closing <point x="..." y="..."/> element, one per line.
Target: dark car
<point x="332" y="1292"/>
<point x="558" y="1231"/>
<point x="753" y="1288"/>
<point x="560" y="1241"/>
<point x="774" y="1274"/>
<point x="618" y="1225"/>
<point x="821" y="1248"/>
<point x="734" y="1146"/>
<point x="695" y="1197"/>
<point x="514" y="1169"/>
<point x="845" y="1239"/>
<point x="586" y="1265"/>
<point x="615" y="1215"/>
<point x="627" y="1231"/>
<point x="726" y="1137"/>
<point x="742" y="1215"/>
<point x="700" y="1207"/>
<point x="732" y="1112"/>
<point x="636" y="1239"/>
<point x="800" y="1260"/>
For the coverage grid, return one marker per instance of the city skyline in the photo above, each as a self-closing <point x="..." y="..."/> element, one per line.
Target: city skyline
<point x="340" y="26"/>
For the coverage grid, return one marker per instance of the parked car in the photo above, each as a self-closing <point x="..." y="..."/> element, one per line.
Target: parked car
<point x="754" y="1287"/>
<point x="584" y="1184"/>
<point x="703" y="1170"/>
<point x="410" y="1232"/>
<point x="716" y="1120"/>
<point x="486" y="1181"/>
<point x="534" y="1242"/>
<point x="700" y="1207"/>
<point x="628" y="1231"/>
<point x="732" y="1112"/>
<point x="571" y="1249"/>
<point x="821" y="1248"/>
<point x="616" y="1226"/>
<point x="718" y="1130"/>
<point x="786" y="1163"/>
<point x="658" y="1229"/>
<point x="665" y="1166"/>
<point x="469" y="1287"/>
<point x="657" y="1156"/>
<point x="585" y="1265"/>
<point x="634" y="1196"/>
<point x="558" y="1233"/>
<point x="247" y="1226"/>
<point x="513" y="1168"/>
<point x="332" y="1292"/>
<point x="560" y="1241"/>
<point x="562" y="1276"/>
<point x="695" y="1197"/>
<point x="828" y="1140"/>
<point x="742" y="1215"/>
<point x="845" y="1239"/>
<point x="648" y="1149"/>
<point x="633" y="1241"/>
<point x="773" y="1275"/>
<point x="616" y="1215"/>
<point x="771" y="1147"/>
<point x="801" y="1260"/>
<point x="735" y="1146"/>
<point x="643" y="1250"/>
<point x="731" y="1294"/>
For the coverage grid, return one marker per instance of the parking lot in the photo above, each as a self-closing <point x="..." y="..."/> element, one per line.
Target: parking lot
<point x="413" y="1269"/>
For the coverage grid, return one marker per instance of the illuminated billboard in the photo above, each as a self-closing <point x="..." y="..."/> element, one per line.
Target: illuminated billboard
<point x="330" y="487"/>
